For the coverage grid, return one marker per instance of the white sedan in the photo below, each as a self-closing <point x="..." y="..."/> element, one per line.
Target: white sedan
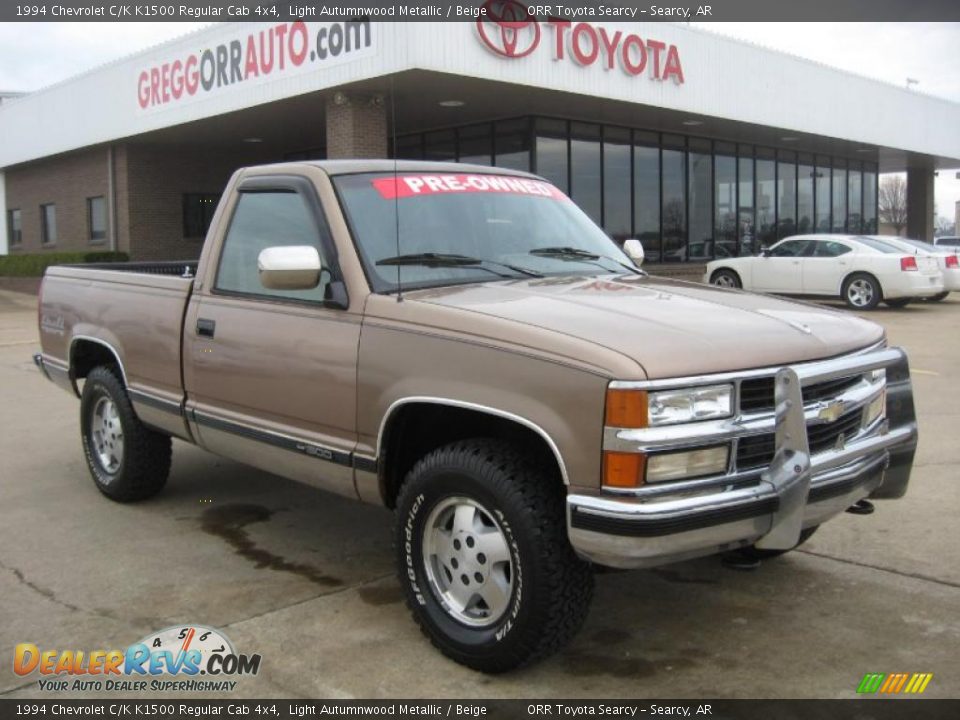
<point x="946" y="259"/>
<point x="860" y="270"/>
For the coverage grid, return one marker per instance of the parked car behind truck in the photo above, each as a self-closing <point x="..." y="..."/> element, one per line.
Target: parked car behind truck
<point x="463" y="345"/>
<point x="860" y="270"/>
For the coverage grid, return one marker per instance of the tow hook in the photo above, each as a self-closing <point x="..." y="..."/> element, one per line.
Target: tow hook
<point x="861" y="507"/>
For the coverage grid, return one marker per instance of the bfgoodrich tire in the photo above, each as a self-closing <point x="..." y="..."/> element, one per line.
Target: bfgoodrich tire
<point x="861" y="291"/>
<point x="127" y="460"/>
<point x="484" y="559"/>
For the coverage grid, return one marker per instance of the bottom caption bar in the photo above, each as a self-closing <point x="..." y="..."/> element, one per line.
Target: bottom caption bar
<point x="876" y="709"/>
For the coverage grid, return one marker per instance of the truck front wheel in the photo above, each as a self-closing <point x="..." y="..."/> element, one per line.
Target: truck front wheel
<point x="484" y="559"/>
<point x="127" y="460"/>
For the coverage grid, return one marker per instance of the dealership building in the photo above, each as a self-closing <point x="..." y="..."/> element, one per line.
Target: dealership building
<point x="697" y="144"/>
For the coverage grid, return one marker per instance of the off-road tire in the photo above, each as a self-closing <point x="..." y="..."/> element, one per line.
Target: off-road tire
<point x="755" y="553"/>
<point x="876" y="292"/>
<point x="552" y="587"/>
<point x="726" y="278"/>
<point x="145" y="461"/>
<point x="898" y="303"/>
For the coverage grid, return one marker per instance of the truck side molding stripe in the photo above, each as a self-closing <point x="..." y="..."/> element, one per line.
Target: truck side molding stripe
<point x="157" y="403"/>
<point x="478" y="408"/>
<point x="286" y="442"/>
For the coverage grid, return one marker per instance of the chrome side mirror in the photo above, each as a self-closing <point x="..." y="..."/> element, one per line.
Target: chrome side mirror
<point x="289" y="267"/>
<point x="634" y="250"/>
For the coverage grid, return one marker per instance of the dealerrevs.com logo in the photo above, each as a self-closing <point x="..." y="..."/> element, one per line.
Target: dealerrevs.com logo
<point x="180" y="658"/>
<point x="508" y="29"/>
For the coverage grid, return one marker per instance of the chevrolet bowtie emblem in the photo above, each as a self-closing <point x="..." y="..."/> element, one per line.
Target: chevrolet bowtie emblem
<point x="830" y="411"/>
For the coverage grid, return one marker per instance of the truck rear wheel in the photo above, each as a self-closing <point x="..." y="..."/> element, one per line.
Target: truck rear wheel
<point x="127" y="460"/>
<point x="484" y="559"/>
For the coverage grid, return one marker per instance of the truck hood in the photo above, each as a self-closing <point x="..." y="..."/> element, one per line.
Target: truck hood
<point x="670" y="328"/>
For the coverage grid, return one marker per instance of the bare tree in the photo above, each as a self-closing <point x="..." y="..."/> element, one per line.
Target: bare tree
<point x="943" y="226"/>
<point x="892" y="202"/>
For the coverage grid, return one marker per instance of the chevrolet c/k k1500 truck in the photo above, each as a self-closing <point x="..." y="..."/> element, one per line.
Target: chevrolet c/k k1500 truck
<point x="464" y="345"/>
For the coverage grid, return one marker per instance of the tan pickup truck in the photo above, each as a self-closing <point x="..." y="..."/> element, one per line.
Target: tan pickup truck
<point x="462" y="344"/>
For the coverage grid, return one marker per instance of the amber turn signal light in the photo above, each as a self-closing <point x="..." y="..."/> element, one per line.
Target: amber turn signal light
<point x="626" y="408"/>
<point x="623" y="470"/>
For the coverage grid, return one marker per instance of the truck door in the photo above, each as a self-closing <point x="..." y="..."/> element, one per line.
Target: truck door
<point x="270" y="375"/>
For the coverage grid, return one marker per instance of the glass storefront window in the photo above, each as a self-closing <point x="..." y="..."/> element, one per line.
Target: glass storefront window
<point x="685" y="198"/>
<point x="725" y="206"/>
<point x="786" y="199"/>
<point x="585" y="169"/>
<point x="745" y="221"/>
<point x="766" y="218"/>
<point x="511" y="143"/>
<point x="551" y="149"/>
<point x="440" y="146"/>
<point x="869" y="202"/>
<point x="822" y="194"/>
<point x="804" y="198"/>
<point x="674" y="206"/>
<point x="616" y="183"/>
<point x="646" y="199"/>
<point x="854" y="190"/>
<point x="410" y="147"/>
<point x="839" y="199"/>
<point x="476" y="144"/>
<point x="700" y="192"/>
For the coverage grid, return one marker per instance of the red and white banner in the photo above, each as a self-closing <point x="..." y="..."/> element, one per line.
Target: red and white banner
<point x="407" y="185"/>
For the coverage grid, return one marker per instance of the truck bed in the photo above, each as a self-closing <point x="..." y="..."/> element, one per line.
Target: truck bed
<point x="134" y="311"/>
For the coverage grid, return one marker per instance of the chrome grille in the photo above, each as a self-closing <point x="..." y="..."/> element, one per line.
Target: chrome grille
<point x="756" y="394"/>
<point x="756" y="451"/>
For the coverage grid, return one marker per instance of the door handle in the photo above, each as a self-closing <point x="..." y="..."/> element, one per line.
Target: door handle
<point x="206" y="328"/>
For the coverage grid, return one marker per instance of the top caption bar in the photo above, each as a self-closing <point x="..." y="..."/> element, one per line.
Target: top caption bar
<point x="507" y="11"/>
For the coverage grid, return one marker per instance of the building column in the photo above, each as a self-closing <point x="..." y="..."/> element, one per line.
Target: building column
<point x="356" y="126"/>
<point x="920" y="204"/>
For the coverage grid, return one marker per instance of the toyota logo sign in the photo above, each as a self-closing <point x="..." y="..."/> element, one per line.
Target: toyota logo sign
<point x="508" y="29"/>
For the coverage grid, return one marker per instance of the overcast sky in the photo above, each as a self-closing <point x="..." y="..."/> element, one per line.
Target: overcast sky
<point x="34" y="55"/>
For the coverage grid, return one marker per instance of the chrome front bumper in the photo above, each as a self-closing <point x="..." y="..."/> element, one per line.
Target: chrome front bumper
<point x="769" y="507"/>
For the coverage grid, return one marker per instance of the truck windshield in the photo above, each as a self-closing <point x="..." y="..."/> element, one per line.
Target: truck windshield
<point x="515" y="225"/>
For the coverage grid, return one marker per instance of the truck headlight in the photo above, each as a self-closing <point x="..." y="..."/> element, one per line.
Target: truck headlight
<point x="669" y="407"/>
<point x="630" y="408"/>
<point x="687" y="464"/>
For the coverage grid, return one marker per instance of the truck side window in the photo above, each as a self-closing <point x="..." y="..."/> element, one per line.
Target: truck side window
<point x="262" y="220"/>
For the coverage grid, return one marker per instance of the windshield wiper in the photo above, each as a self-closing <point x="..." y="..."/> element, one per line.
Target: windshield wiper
<point x="444" y="260"/>
<point x="580" y="255"/>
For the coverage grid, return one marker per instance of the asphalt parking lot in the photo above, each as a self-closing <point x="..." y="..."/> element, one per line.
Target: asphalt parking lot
<point x="306" y="579"/>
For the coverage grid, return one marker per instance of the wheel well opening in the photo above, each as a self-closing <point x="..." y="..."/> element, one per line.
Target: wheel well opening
<point x="85" y="355"/>
<point x="716" y="272"/>
<point x="416" y="429"/>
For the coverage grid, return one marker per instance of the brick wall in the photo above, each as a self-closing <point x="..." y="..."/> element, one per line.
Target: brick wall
<point x="66" y="181"/>
<point x="356" y="126"/>
<point x="150" y="201"/>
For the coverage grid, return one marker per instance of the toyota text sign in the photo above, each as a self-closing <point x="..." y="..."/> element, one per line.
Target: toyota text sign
<point x="508" y="29"/>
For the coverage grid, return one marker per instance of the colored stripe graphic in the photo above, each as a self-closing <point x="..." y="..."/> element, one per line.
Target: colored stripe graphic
<point x="871" y="682"/>
<point x="894" y="683"/>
